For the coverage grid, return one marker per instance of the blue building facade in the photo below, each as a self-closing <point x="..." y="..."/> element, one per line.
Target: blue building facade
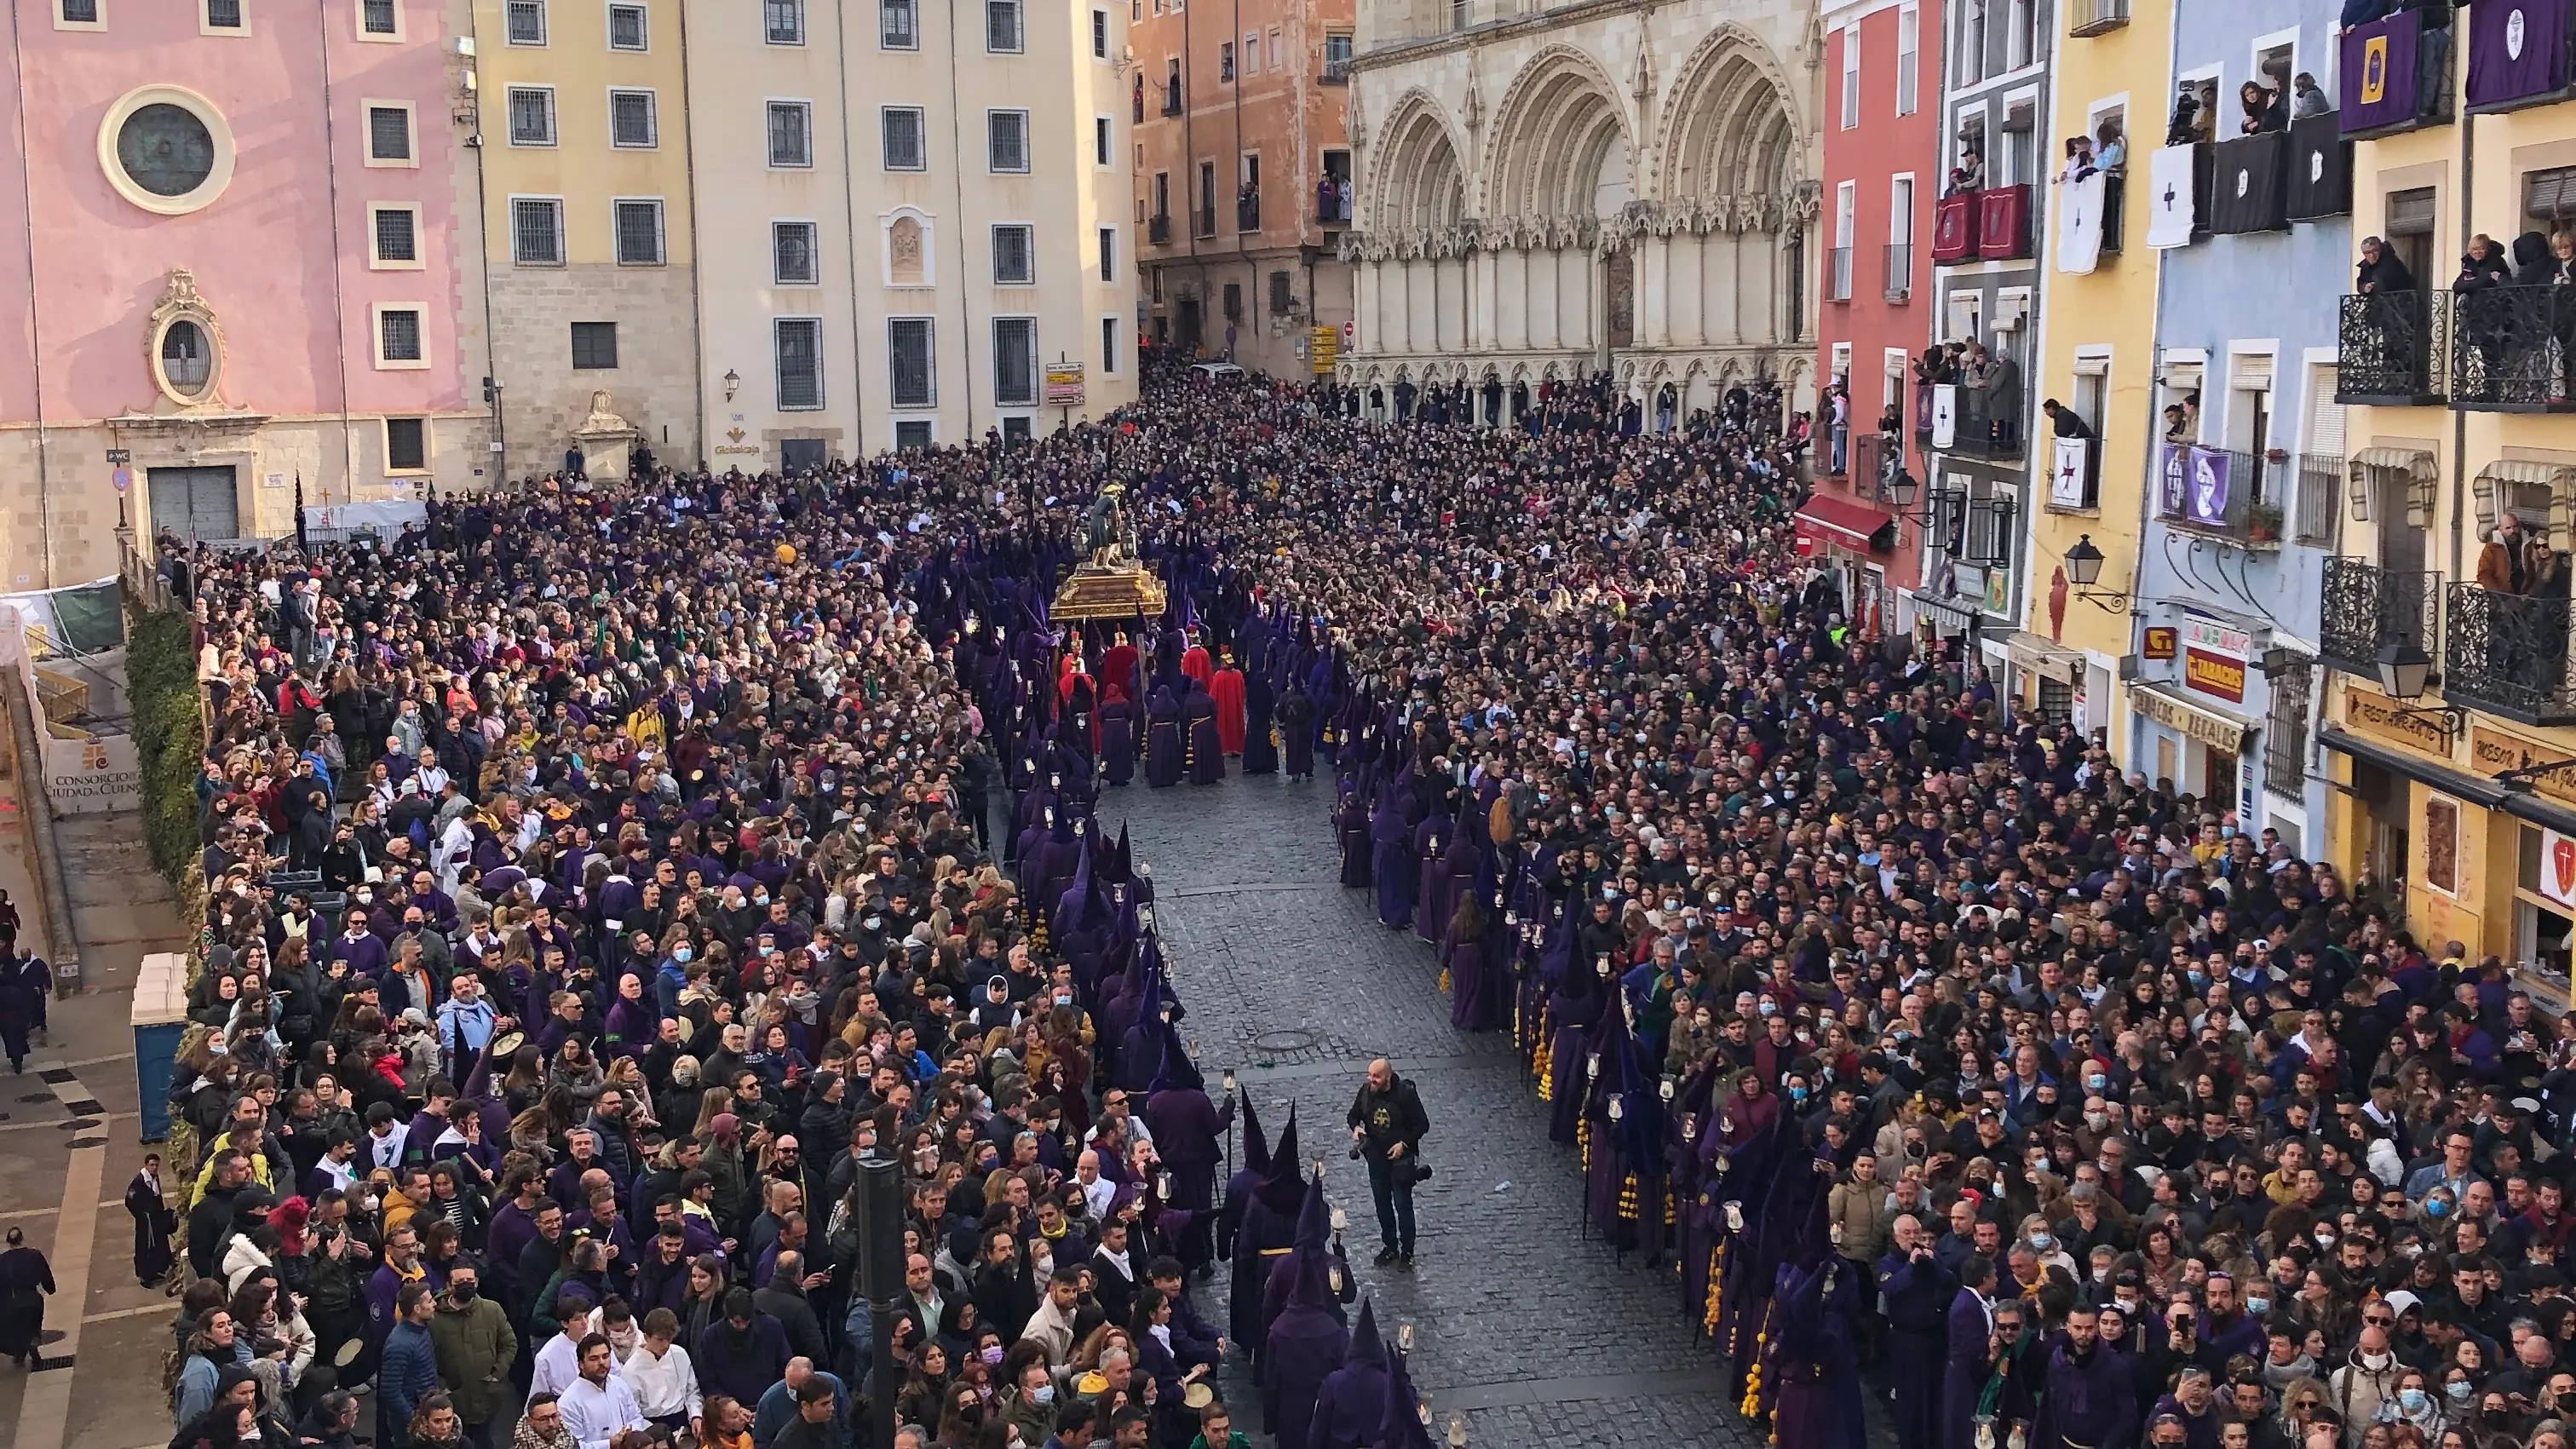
<point x="2243" y="502"/>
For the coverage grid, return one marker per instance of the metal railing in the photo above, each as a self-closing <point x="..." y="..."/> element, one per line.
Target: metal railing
<point x="2392" y="349"/>
<point x="2320" y="492"/>
<point x="1158" y="231"/>
<point x="2507" y="654"/>
<point x="1838" y="274"/>
<point x="2094" y="17"/>
<point x="1336" y="73"/>
<point x="1981" y="431"/>
<point x="1900" y="271"/>
<point x="2509" y="349"/>
<point x="2223" y="493"/>
<point x="2366" y="608"/>
<point x="1247" y="212"/>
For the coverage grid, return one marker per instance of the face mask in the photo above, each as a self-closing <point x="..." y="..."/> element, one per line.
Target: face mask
<point x="465" y="1292"/>
<point x="2437" y="1208"/>
<point x="2459" y="1390"/>
<point x="990" y="1353"/>
<point x="1042" y="1395"/>
<point x="2258" y="1306"/>
<point x="2413" y="1400"/>
<point x="2325" y="1239"/>
<point x="2097" y="1120"/>
<point x="2042" y="1242"/>
<point x="2096" y="1082"/>
<point x="873" y="922"/>
<point x="1797" y="1094"/>
<point x="681" y="954"/>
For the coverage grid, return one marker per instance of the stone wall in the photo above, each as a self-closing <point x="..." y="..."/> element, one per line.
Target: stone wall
<point x="654" y="385"/>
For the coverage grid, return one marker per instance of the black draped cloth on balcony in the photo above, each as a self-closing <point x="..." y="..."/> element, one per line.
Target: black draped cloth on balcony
<point x="2249" y="194"/>
<point x="2320" y="181"/>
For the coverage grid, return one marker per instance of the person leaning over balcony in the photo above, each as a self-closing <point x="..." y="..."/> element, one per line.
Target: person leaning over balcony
<point x="2500" y="558"/>
<point x="2381" y="270"/>
<point x="2308" y="98"/>
<point x="2111" y="147"/>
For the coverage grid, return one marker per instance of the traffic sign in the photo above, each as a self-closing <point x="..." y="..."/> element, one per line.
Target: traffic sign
<point x="124" y="480"/>
<point x="119" y="456"/>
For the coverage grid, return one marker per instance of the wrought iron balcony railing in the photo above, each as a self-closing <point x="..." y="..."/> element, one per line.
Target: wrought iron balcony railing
<point x="2392" y="349"/>
<point x="1158" y="231"/>
<point x="2367" y="608"/>
<point x="2320" y="491"/>
<point x="2507" y="654"/>
<point x="2510" y="349"/>
<point x="2222" y="493"/>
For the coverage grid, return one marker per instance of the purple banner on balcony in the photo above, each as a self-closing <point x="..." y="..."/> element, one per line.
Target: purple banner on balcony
<point x="2517" y="50"/>
<point x="2205" y="502"/>
<point x="2379" y="73"/>
<point x="2173" y="475"/>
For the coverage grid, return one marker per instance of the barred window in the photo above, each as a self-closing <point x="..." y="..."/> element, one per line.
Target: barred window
<point x="80" y="12"/>
<point x="902" y="139"/>
<point x="791" y="249"/>
<point x="536" y="231"/>
<point x="639" y="233"/>
<point x="899" y="24"/>
<point x="2285" y="731"/>
<point x="398" y="334"/>
<point x="908" y="362"/>
<point x="377" y="17"/>
<point x="1002" y="26"/>
<point x="1006" y="135"/>
<point x="783" y="21"/>
<point x="527" y="22"/>
<point x="406" y="444"/>
<point x="1014" y="256"/>
<point x="626" y="27"/>
<point x="594" y="346"/>
<point x="397" y="238"/>
<point x="532" y="116"/>
<point x="388" y="133"/>
<point x="224" y="14"/>
<point x="791" y="134"/>
<point x="631" y="120"/>
<point x="800" y="363"/>
<point x="1015" y="362"/>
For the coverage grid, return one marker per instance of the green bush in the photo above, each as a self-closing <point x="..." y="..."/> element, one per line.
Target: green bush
<point x="170" y="736"/>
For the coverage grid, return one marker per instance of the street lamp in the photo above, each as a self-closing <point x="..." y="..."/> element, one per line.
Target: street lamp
<point x="732" y="382"/>
<point x="1901" y="490"/>
<point x="2084" y="570"/>
<point x="2404" y="669"/>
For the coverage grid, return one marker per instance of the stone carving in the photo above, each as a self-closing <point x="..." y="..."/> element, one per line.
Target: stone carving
<point x="182" y="304"/>
<point x="904" y="264"/>
<point x="603" y="417"/>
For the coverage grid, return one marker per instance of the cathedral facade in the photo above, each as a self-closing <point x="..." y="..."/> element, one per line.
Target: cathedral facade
<point x="1620" y="185"/>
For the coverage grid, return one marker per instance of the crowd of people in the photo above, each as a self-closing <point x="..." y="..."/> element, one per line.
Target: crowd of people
<point x="599" y="875"/>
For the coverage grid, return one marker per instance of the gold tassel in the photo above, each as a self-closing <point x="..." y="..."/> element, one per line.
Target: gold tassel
<point x="1716" y="1282"/>
<point x="1444" y="979"/>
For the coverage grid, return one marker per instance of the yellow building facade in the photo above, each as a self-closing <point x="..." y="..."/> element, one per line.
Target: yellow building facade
<point x="2097" y="339"/>
<point x="582" y="123"/>
<point x="2452" y="722"/>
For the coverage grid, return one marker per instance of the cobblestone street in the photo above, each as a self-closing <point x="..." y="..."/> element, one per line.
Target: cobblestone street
<point x="1538" y="1336"/>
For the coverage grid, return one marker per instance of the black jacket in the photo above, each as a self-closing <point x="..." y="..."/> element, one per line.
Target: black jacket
<point x="1389" y="1117"/>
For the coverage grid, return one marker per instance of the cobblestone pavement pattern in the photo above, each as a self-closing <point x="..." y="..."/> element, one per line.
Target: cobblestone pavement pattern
<point x="1536" y="1335"/>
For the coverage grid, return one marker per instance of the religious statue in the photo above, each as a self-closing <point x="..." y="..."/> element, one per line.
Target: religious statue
<point x="1105" y="528"/>
<point x="1110" y="583"/>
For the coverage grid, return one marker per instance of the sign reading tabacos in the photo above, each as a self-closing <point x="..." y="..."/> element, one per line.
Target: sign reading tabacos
<point x="2214" y="656"/>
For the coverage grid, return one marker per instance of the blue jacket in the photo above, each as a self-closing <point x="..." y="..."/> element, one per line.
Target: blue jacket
<point x="407" y="1374"/>
<point x="778" y="1410"/>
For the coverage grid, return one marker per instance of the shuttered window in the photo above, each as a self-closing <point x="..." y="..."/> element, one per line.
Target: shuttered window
<point x="2410" y="213"/>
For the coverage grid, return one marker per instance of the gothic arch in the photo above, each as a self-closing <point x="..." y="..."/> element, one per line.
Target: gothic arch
<point x="1420" y="181"/>
<point x="1559" y="122"/>
<point x="1732" y="125"/>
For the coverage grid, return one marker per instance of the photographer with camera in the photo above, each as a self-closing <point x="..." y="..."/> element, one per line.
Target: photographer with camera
<point x="1387" y="1127"/>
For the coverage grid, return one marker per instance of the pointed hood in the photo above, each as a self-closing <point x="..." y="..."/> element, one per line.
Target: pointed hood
<point x="1312" y="1250"/>
<point x="1366" y="1347"/>
<point x="1256" y="1148"/>
<point x="1402" y="1426"/>
<point x="1283" y="1189"/>
<point x="1176" y="1072"/>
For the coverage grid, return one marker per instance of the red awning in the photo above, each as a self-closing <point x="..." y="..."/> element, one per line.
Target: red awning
<point x="1830" y="521"/>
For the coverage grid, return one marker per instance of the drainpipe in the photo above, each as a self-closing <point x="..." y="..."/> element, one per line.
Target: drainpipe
<point x="697" y="234"/>
<point x="2468" y="125"/>
<point x="850" y="219"/>
<point x="957" y="189"/>
<point x="339" y="303"/>
<point x="35" y="308"/>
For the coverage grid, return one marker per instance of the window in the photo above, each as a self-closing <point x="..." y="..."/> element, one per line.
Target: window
<point x="223" y="14"/>
<point x="902" y="132"/>
<point x="639" y="233"/>
<point x="782" y="21"/>
<point x="1099" y="35"/>
<point x="406" y="445"/>
<point x="2285" y="731"/>
<point x="1101" y="145"/>
<point x="1225" y="61"/>
<point x="1851" y="76"/>
<point x="527" y="22"/>
<point x="389" y="133"/>
<point x="1337" y="54"/>
<point x="1015" y="362"/>
<point x="1252" y="52"/>
<point x="799" y="342"/>
<point x="395" y="233"/>
<point x="532" y="116"/>
<point x="1109" y="254"/>
<point x="398" y="339"/>
<point x="536" y="231"/>
<point x="1972" y="44"/>
<point x="1109" y="346"/>
<point x="899" y="24"/>
<point x="1234" y="301"/>
<point x="594" y="346"/>
<point x="908" y="363"/>
<point x="1002" y="26"/>
<point x="912" y="435"/>
<point x="626" y="27"/>
<point x="1278" y="56"/>
<point x="1015" y="430"/>
<point x="631" y="121"/>
<point x="78" y="12"/>
<point x="187" y="359"/>
<point x="1014" y="256"/>
<point x="1909" y="48"/>
<point x="1207" y="198"/>
<point x="1283" y="296"/>
<point x="792" y="261"/>
<point x="1006" y="140"/>
<point x="378" y="17"/>
<point x="791" y="134"/>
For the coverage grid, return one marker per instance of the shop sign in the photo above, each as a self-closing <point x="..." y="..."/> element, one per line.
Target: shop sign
<point x="2034" y="660"/>
<point x="2371" y="713"/>
<point x="2492" y="752"/>
<point x="2158" y="642"/>
<point x="2214" y="656"/>
<point x="2212" y="730"/>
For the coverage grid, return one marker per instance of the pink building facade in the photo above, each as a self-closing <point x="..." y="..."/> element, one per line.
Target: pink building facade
<point x="237" y="247"/>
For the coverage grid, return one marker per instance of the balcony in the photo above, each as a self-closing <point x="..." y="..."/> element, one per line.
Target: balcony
<point x="1247" y="212"/>
<point x="2003" y="223"/>
<point x="2367" y="608"/>
<point x="2507" y="654"/>
<point x="2509" y="349"/>
<point x="1158" y="232"/>
<point x="1332" y="202"/>
<point x="2219" y="493"/>
<point x="2320" y="490"/>
<point x="1336" y="72"/>
<point x="2381" y="98"/>
<point x="2505" y="74"/>
<point x="1900" y="272"/>
<point x="1838" y="274"/>
<point x="1172" y="98"/>
<point x="2096" y="17"/>
<point x="1954" y="229"/>
<point x="2392" y="349"/>
<point x="1980" y="431"/>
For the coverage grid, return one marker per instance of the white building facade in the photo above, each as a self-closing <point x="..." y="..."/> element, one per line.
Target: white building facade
<point x="1608" y="184"/>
